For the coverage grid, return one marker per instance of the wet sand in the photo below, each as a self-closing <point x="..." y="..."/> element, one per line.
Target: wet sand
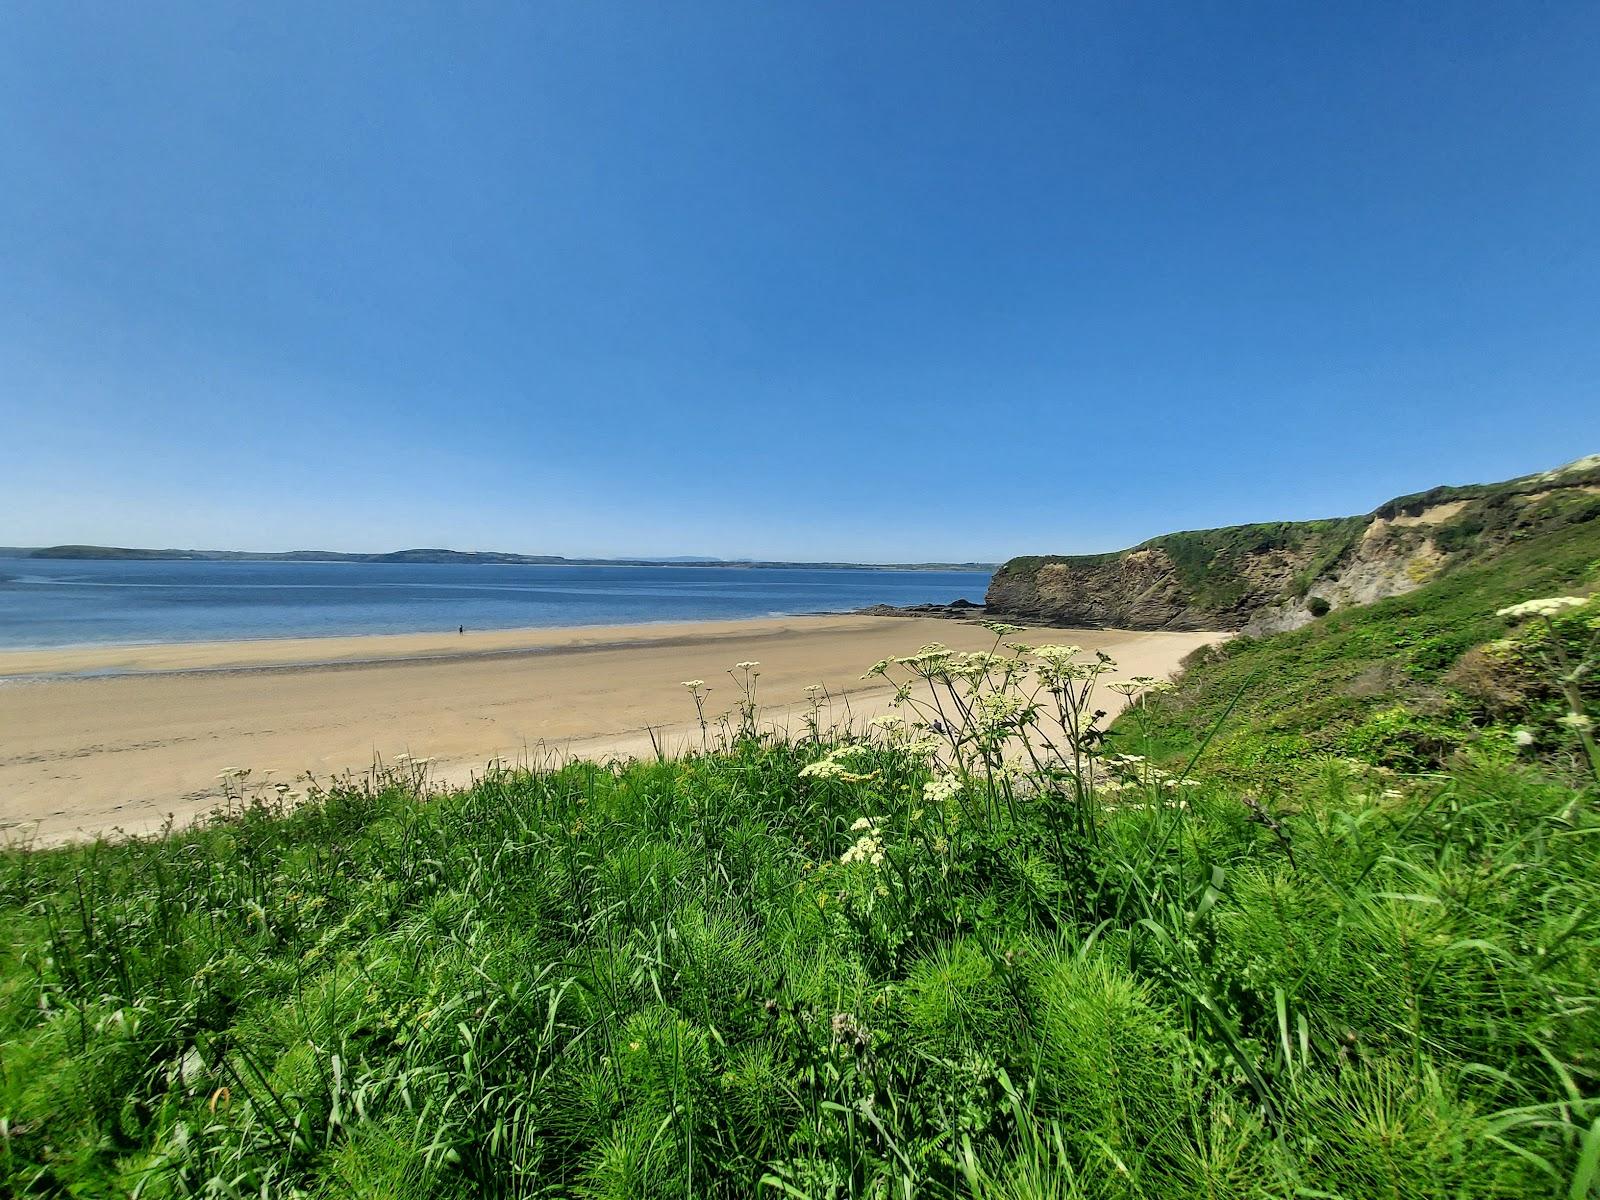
<point x="95" y="740"/>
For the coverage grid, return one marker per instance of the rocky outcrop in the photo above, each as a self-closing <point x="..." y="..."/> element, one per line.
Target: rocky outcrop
<point x="1136" y="590"/>
<point x="956" y="610"/>
<point x="1267" y="578"/>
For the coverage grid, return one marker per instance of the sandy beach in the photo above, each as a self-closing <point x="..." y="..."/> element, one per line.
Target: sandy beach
<point x="95" y="740"/>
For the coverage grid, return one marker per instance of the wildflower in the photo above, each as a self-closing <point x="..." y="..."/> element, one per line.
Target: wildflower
<point x="746" y="666"/>
<point x="830" y="766"/>
<point x="1523" y="737"/>
<point x="868" y="847"/>
<point x="823" y="768"/>
<point x="1546" y="607"/>
<point x="937" y="791"/>
<point x="1578" y="721"/>
<point x="847" y="1031"/>
<point x="999" y="711"/>
<point x="694" y="685"/>
<point x="973" y="667"/>
<point x="1001" y="629"/>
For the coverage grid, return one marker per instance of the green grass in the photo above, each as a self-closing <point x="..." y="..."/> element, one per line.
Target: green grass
<point x="658" y="981"/>
<point x="1355" y="954"/>
<point x="1388" y="683"/>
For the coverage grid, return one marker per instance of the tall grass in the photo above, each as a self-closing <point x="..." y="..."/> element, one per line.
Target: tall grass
<point x="987" y="951"/>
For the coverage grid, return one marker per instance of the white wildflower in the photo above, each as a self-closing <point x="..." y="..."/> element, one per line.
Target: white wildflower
<point x="1577" y="721"/>
<point x="1524" y="737"/>
<point x="1547" y="607"/>
<point x="823" y="768"/>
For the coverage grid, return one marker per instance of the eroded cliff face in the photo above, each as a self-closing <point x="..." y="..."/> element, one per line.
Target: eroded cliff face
<point x="1136" y="590"/>
<point x="1267" y="578"/>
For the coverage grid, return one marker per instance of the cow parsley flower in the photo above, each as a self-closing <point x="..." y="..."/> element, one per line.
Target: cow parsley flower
<point x="824" y="768"/>
<point x="1547" y="607"/>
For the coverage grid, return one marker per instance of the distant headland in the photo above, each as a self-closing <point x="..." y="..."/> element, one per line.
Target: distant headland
<point x="460" y="557"/>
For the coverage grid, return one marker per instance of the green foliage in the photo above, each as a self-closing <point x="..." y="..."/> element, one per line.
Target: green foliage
<point x="1400" y="684"/>
<point x="1353" y="953"/>
<point x="1225" y="574"/>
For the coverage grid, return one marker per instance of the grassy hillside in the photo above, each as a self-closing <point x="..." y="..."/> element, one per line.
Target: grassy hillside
<point x="1281" y="574"/>
<point x="985" y="952"/>
<point x="1399" y="683"/>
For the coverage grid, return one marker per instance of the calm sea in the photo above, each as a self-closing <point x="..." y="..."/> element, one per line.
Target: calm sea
<point x="55" y="602"/>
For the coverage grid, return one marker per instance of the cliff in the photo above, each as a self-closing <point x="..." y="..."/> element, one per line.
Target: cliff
<point x="1271" y="577"/>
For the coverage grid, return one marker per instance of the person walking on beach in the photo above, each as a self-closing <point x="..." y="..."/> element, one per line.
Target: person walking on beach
<point x="461" y="629"/>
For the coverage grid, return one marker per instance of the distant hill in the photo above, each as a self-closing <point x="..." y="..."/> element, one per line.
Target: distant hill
<point x="452" y="556"/>
<point x="397" y="556"/>
<point x="1281" y="575"/>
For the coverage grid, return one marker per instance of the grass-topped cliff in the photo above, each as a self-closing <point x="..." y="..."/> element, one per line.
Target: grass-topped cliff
<point x="1321" y="921"/>
<point x="1281" y="575"/>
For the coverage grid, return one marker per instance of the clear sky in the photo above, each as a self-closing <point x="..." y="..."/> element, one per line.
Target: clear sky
<point x="814" y="280"/>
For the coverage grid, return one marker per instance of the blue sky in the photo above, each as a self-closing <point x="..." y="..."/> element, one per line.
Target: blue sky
<point x="873" y="281"/>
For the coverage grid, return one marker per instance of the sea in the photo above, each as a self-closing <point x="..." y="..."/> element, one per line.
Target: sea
<point x="68" y="602"/>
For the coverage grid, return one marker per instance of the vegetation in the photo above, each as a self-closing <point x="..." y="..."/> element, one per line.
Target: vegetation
<point x="1222" y="578"/>
<point x="1403" y="683"/>
<point x="986" y="948"/>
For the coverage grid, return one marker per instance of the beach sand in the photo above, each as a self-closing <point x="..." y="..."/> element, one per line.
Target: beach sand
<point x="95" y="740"/>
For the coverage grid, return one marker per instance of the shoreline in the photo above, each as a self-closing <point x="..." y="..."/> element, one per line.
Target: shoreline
<point x="88" y="661"/>
<point x="120" y="751"/>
